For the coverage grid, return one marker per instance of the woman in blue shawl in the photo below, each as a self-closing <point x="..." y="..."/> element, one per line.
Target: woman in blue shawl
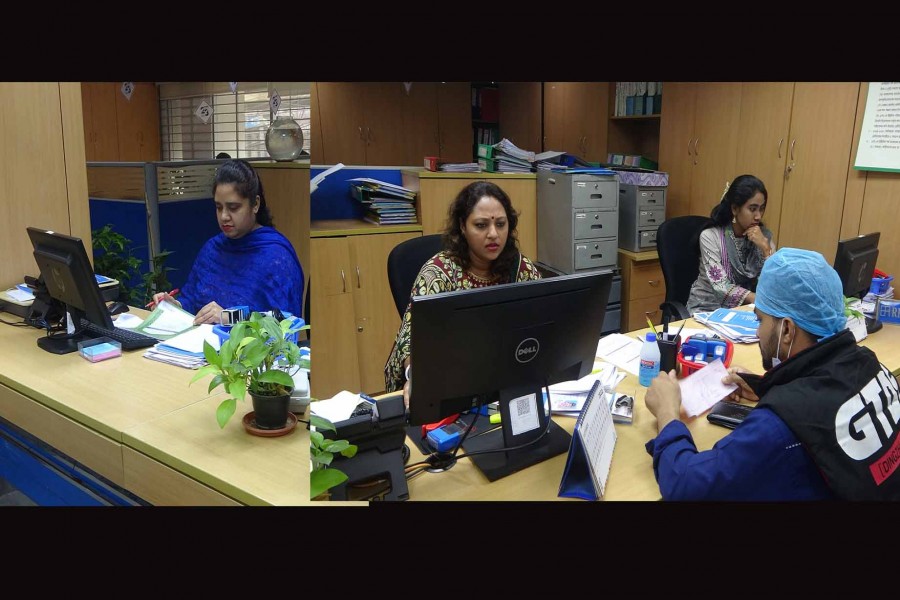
<point x="249" y="263"/>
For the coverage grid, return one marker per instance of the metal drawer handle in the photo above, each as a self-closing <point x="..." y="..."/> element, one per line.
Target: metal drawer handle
<point x="358" y="281"/>
<point x="651" y="314"/>
<point x="654" y="283"/>
<point x="343" y="282"/>
<point x="780" y="142"/>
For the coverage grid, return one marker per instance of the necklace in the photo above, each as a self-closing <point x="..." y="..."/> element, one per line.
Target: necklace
<point x="481" y="279"/>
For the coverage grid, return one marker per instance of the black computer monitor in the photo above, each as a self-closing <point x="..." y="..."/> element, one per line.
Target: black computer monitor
<point x="69" y="278"/>
<point x="855" y="263"/>
<point x="505" y="343"/>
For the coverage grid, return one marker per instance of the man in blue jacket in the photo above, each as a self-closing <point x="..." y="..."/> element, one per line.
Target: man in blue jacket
<point x="828" y="420"/>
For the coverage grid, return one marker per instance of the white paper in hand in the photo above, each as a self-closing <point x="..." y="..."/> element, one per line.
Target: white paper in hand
<point x="701" y="390"/>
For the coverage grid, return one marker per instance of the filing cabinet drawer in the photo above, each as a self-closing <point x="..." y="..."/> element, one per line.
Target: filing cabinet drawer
<point x="648" y="198"/>
<point x="591" y="224"/>
<point x="595" y="194"/>
<point x="615" y="291"/>
<point x="612" y="321"/>
<point x="645" y="280"/>
<point x="651" y="217"/>
<point x="591" y="254"/>
<point x="647" y="239"/>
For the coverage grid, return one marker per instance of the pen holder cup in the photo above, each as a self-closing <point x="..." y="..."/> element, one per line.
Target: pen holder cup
<point x="881" y="284"/>
<point x="668" y="351"/>
<point x="688" y="366"/>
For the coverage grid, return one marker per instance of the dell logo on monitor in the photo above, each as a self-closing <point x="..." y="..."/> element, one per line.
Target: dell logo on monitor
<point x="527" y="350"/>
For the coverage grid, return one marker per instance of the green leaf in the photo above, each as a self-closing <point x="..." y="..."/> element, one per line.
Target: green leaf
<point x="335" y="446"/>
<point x="225" y="410"/>
<point x="238" y="390"/>
<point x="321" y="423"/>
<point x="210" y="354"/>
<point x="323" y="480"/>
<point x="350" y="452"/>
<point x="216" y="382"/>
<point x="316" y="438"/>
<point x="204" y="371"/>
<point x="276" y="376"/>
<point x="324" y="458"/>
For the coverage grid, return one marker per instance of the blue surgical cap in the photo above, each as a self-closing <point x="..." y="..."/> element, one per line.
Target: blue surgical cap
<point x="799" y="284"/>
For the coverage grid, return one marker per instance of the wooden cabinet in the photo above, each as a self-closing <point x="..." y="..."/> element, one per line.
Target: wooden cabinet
<point x="575" y="118"/>
<point x="354" y="320"/>
<point x="520" y="113"/>
<point x="698" y="142"/>
<point x="643" y="289"/>
<point x="821" y="138"/>
<point x="375" y="123"/>
<point x="119" y="129"/>
<point x="436" y="191"/>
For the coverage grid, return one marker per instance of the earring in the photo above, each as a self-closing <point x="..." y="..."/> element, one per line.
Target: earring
<point x="734" y="220"/>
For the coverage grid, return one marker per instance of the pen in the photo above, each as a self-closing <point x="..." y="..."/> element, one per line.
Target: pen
<point x="679" y="329"/>
<point x="652" y="327"/>
<point x="171" y="294"/>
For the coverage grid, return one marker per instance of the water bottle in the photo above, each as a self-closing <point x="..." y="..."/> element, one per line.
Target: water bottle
<point x="649" y="360"/>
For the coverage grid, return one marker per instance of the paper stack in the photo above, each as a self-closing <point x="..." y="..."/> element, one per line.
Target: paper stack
<point x="185" y="349"/>
<point x="386" y="203"/>
<point x="567" y="398"/>
<point x="505" y="157"/>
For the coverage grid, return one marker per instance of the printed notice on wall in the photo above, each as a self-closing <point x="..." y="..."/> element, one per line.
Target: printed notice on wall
<point x="879" y="141"/>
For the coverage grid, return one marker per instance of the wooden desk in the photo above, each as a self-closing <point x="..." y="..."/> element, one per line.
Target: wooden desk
<point x="631" y="473"/>
<point x="141" y="425"/>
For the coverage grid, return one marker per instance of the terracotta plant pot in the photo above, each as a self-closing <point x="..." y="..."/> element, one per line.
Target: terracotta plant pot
<point x="271" y="411"/>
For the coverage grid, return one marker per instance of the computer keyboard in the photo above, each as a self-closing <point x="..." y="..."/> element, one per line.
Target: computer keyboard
<point x="130" y="340"/>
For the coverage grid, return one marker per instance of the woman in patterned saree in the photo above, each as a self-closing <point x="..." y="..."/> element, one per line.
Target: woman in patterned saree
<point x="480" y="250"/>
<point x="733" y="249"/>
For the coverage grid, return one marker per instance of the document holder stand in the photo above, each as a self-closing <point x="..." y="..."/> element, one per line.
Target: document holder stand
<point x="590" y="454"/>
<point x="498" y="464"/>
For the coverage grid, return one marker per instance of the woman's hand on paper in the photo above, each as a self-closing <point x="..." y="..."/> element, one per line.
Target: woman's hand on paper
<point x="159" y="297"/>
<point x="211" y="313"/>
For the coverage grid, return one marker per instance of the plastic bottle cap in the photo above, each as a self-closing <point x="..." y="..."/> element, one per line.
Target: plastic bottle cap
<point x="651" y="337"/>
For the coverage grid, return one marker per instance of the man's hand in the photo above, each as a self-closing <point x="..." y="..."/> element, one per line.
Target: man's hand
<point x="211" y="313"/>
<point x="743" y="392"/>
<point x="663" y="399"/>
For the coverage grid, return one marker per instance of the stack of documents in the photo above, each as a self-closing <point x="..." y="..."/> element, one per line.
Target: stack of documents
<point x="505" y="157"/>
<point x="739" y="326"/>
<point x="386" y="203"/>
<point x="185" y="349"/>
<point x="567" y="398"/>
<point x="471" y="167"/>
<point x="166" y="321"/>
<point x="867" y="306"/>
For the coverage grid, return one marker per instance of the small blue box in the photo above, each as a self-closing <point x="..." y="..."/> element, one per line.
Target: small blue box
<point x="889" y="311"/>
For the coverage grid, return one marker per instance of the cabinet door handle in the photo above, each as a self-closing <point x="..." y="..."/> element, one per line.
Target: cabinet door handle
<point x="689" y="145"/>
<point x="368" y="136"/>
<point x="651" y="314"/>
<point x="780" y="142"/>
<point x="793" y="142"/>
<point x="697" y="146"/>
<point x="361" y="134"/>
<point x="343" y="282"/>
<point x="653" y="283"/>
<point x="358" y="281"/>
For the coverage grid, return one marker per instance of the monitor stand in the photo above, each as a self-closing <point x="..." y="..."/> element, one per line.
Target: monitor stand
<point x="873" y="325"/>
<point x="497" y="465"/>
<point x="60" y="345"/>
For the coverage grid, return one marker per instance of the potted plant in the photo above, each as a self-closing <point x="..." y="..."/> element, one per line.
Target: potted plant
<point x="255" y="358"/>
<point x="323" y="477"/>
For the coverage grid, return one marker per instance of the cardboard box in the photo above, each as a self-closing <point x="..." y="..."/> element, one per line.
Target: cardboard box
<point x="432" y="163"/>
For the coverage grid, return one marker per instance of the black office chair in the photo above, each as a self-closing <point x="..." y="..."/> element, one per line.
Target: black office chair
<point x="404" y="263"/>
<point x="678" y="245"/>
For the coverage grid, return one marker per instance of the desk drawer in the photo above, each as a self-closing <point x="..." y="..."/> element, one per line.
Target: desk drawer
<point x="590" y="224"/>
<point x="646" y="279"/>
<point x="636" y="312"/>
<point x="591" y="254"/>
<point x="94" y="450"/>
<point x="649" y="217"/>
<point x="160" y="485"/>
<point x="591" y="193"/>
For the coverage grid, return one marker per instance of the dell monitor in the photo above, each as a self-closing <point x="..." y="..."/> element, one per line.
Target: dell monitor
<point x="855" y="265"/>
<point x="69" y="278"/>
<point x="505" y="343"/>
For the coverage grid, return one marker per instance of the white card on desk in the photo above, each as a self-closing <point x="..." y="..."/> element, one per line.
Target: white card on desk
<point x="701" y="390"/>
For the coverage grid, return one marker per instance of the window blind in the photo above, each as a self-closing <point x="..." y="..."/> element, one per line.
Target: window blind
<point x="238" y="124"/>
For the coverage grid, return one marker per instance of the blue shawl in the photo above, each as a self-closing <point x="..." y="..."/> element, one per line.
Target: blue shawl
<point x="260" y="270"/>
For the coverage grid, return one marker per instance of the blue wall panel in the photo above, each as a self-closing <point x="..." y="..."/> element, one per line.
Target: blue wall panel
<point x="184" y="227"/>
<point x="332" y="200"/>
<point x="127" y="218"/>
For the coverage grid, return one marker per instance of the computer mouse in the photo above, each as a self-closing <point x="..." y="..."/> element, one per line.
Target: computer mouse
<point x="117" y="307"/>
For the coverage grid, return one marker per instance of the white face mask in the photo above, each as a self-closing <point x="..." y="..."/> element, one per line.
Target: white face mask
<point x="777" y="361"/>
